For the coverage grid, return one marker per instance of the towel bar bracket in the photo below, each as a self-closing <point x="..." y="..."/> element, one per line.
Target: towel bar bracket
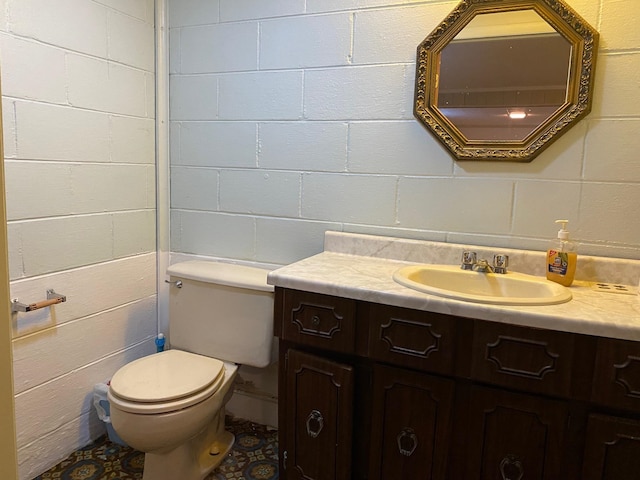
<point x="53" y="298"/>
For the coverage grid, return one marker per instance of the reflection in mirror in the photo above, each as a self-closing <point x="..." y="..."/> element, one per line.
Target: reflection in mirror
<point x="504" y="84"/>
<point x="501" y="80"/>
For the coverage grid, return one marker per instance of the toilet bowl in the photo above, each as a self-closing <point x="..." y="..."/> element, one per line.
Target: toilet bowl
<point x="171" y="405"/>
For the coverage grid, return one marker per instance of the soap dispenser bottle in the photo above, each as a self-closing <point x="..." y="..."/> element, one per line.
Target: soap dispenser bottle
<point x="562" y="257"/>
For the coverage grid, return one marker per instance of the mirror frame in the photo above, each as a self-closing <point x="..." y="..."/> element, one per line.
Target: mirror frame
<point x="584" y="45"/>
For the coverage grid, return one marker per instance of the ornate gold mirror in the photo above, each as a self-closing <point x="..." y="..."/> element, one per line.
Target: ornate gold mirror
<point x="502" y="79"/>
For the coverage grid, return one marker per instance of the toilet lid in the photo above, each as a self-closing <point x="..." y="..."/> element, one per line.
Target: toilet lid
<point x="166" y="376"/>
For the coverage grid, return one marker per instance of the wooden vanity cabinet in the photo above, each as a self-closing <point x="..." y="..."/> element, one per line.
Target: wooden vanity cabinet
<point x="409" y="442"/>
<point x="326" y="349"/>
<point x="378" y="392"/>
<point x="319" y="405"/>
<point x="507" y="430"/>
<point x="612" y="450"/>
<point x="511" y="436"/>
<point x="617" y="374"/>
<point x="613" y="439"/>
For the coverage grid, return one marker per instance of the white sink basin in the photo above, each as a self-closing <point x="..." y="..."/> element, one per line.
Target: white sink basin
<point x="510" y="288"/>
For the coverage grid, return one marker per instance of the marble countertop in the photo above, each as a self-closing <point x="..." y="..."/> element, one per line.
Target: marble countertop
<point x="369" y="277"/>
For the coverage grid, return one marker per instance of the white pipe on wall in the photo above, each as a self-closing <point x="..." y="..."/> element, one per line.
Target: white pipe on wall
<point x="162" y="161"/>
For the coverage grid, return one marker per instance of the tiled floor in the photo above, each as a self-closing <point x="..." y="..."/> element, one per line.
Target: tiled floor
<point x="254" y="457"/>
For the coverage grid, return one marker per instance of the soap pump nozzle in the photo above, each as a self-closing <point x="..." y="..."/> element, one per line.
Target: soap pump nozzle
<point x="563" y="233"/>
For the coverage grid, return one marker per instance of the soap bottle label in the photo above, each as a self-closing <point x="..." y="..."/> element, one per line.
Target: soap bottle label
<point x="558" y="262"/>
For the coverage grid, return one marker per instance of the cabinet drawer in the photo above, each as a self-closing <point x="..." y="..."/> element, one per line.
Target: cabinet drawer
<point x="319" y="320"/>
<point x="411" y="338"/>
<point x="617" y="374"/>
<point x="523" y="358"/>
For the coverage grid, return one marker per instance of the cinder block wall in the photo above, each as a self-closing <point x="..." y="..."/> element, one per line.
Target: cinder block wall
<point x="289" y="118"/>
<point x="79" y="133"/>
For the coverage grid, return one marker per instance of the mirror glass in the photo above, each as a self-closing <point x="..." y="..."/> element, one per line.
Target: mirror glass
<point x="503" y="75"/>
<point x="501" y="80"/>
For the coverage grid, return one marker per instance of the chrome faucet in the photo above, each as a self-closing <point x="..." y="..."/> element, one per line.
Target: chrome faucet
<point x="482" y="266"/>
<point x="500" y="263"/>
<point x="470" y="262"/>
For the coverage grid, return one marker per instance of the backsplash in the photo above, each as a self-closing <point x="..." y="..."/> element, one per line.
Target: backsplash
<point x="590" y="268"/>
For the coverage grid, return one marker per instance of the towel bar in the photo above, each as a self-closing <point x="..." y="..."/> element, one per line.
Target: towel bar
<point x="52" y="299"/>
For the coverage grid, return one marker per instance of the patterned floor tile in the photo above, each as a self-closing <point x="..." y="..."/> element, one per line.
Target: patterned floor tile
<point x="253" y="457"/>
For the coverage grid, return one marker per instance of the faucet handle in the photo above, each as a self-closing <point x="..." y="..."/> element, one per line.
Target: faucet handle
<point x="468" y="260"/>
<point x="500" y="263"/>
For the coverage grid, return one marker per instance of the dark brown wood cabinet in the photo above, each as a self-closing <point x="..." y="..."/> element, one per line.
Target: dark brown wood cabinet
<point x="513" y="436"/>
<point x="613" y="449"/>
<point x="409" y="442"/>
<point x="377" y="392"/>
<point x="522" y="358"/>
<point x="320" y="321"/>
<point x="319" y="406"/>
<point x="617" y="374"/>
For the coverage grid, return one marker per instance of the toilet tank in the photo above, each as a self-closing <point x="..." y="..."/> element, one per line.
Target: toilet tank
<point x="222" y="310"/>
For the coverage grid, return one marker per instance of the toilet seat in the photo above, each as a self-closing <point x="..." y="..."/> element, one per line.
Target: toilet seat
<point x="166" y="381"/>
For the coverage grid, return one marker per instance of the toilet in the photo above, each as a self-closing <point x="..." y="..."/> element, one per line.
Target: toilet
<point x="171" y="405"/>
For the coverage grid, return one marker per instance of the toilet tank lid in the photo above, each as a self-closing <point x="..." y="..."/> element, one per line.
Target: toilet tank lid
<point x="220" y="273"/>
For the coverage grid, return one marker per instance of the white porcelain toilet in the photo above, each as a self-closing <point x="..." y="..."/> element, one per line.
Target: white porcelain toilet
<point x="170" y="405"/>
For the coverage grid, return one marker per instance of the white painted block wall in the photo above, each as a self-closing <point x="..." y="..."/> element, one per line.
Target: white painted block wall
<point x="292" y="117"/>
<point x="79" y="136"/>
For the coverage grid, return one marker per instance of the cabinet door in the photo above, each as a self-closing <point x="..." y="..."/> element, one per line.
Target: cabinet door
<point x="514" y="437"/>
<point x="318" y="424"/>
<point x="613" y="449"/>
<point x="411" y="425"/>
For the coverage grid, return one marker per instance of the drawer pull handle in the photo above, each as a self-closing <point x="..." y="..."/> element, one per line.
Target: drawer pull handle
<point x="315" y="320"/>
<point x="511" y="468"/>
<point x="407" y="442"/>
<point x="315" y="422"/>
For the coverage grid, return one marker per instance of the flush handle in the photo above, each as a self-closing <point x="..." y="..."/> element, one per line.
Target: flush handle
<point x="177" y="283"/>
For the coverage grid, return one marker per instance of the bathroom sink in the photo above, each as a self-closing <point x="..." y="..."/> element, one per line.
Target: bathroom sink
<point x="510" y="288"/>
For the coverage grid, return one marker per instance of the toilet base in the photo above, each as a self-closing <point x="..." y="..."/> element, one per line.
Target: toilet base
<point x="194" y="459"/>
